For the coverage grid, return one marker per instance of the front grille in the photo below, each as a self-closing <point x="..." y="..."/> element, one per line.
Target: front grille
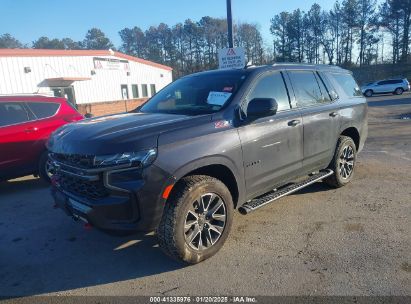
<point x="76" y="160"/>
<point x="71" y="164"/>
<point x="83" y="188"/>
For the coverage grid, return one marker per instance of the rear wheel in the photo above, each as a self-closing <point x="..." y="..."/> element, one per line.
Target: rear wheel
<point x="399" y="91"/>
<point x="368" y="93"/>
<point x="343" y="162"/>
<point x="45" y="170"/>
<point x="196" y="220"/>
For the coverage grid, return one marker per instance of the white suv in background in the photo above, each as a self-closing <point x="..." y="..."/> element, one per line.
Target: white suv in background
<point x="394" y="86"/>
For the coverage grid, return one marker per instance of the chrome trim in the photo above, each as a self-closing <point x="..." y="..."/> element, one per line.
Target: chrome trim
<point x="90" y="178"/>
<point x="97" y="170"/>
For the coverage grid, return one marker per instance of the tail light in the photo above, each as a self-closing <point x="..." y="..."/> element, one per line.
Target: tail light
<point x="73" y="118"/>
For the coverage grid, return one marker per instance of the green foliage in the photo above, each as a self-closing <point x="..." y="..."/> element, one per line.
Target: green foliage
<point x="9" y="42"/>
<point x="96" y="40"/>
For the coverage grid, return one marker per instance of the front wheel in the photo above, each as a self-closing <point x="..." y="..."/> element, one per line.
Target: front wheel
<point x="45" y="171"/>
<point x="196" y="219"/>
<point x="343" y="163"/>
<point x="368" y="93"/>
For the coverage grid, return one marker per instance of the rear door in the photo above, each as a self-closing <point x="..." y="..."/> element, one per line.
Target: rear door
<point x="383" y="87"/>
<point x="46" y="120"/>
<point x="17" y="138"/>
<point x="320" y="118"/>
<point x="272" y="146"/>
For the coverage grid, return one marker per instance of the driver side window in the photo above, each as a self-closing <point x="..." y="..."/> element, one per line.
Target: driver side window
<point x="272" y="86"/>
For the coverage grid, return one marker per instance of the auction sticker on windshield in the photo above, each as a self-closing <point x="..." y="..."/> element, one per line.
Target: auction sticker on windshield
<point x="218" y="98"/>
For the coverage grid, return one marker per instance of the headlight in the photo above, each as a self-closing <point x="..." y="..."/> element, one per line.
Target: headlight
<point x="134" y="159"/>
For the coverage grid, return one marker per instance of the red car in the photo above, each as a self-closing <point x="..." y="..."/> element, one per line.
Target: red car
<point x="26" y="123"/>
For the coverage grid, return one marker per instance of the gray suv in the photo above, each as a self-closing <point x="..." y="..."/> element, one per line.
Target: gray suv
<point x="207" y="145"/>
<point x="393" y="86"/>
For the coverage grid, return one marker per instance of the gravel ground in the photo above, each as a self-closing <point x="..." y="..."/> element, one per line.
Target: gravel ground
<point x="353" y="241"/>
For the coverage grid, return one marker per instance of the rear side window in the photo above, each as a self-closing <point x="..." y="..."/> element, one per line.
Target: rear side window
<point x="347" y="83"/>
<point x="272" y="86"/>
<point x="306" y="88"/>
<point x="43" y="109"/>
<point x="12" y="113"/>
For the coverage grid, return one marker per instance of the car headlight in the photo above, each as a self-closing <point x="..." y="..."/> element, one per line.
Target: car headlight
<point x="134" y="159"/>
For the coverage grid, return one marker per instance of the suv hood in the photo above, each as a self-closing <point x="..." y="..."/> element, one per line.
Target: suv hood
<point x="115" y="133"/>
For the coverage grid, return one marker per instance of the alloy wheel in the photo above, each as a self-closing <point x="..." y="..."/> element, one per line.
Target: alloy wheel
<point x="346" y="162"/>
<point x="205" y="221"/>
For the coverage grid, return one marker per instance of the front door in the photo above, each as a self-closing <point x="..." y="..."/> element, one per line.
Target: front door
<point x="272" y="146"/>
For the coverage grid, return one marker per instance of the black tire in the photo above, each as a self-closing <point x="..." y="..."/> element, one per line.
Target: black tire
<point x="368" y="93"/>
<point x="338" y="179"/>
<point x="44" y="167"/>
<point x="171" y="231"/>
<point x="398" y="91"/>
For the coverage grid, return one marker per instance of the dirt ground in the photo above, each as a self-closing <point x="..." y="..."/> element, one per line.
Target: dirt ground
<point x="351" y="241"/>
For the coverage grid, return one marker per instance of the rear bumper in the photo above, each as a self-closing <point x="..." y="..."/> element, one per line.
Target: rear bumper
<point x="136" y="206"/>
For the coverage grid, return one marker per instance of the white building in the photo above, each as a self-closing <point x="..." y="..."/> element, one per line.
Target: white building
<point x="97" y="81"/>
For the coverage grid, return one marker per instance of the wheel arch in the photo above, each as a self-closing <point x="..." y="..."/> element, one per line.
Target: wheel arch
<point x="353" y="133"/>
<point x="221" y="170"/>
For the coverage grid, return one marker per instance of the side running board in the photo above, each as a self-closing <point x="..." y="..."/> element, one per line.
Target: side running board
<point x="272" y="196"/>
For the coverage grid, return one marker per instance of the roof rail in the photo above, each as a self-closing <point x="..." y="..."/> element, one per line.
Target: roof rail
<point x="319" y="66"/>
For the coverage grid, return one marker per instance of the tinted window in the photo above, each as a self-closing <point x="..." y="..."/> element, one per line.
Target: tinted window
<point x="272" y="86"/>
<point x="153" y="89"/>
<point x="348" y="84"/>
<point x="324" y="91"/>
<point x="144" y="89"/>
<point x="383" y="82"/>
<point x="43" y="109"/>
<point x="12" y="113"/>
<point x="196" y="94"/>
<point x="306" y="88"/>
<point x="330" y="89"/>
<point x="134" y="88"/>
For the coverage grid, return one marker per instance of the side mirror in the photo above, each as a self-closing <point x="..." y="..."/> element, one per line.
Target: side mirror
<point x="261" y="107"/>
<point x="88" y="115"/>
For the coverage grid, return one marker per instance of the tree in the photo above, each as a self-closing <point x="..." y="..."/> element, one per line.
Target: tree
<point x="70" y="44"/>
<point x="134" y="41"/>
<point x="45" y="43"/>
<point x="279" y="29"/>
<point x="96" y="40"/>
<point x="366" y="23"/>
<point x="9" y="42"/>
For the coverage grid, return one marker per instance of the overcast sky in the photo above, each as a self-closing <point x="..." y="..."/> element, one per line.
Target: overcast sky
<point x="27" y="20"/>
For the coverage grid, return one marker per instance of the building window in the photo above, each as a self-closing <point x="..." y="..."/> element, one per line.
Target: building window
<point x="124" y="91"/>
<point x="145" y="90"/>
<point x="153" y="89"/>
<point x="134" y="88"/>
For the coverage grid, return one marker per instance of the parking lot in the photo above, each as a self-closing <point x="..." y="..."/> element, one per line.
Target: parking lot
<point x="319" y="241"/>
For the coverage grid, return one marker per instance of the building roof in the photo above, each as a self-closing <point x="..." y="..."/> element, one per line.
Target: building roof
<point x="60" y="53"/>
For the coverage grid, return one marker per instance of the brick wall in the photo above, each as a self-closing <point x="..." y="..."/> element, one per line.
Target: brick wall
<point x="110" y="107"/>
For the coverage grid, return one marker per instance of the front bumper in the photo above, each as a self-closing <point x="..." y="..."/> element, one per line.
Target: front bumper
<point x="127" y="205"/>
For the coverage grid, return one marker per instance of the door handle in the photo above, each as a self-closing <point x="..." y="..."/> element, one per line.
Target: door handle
<point x="294" y="123"/>
<point x="31" y="130"/>
<point x="333" y="114"/>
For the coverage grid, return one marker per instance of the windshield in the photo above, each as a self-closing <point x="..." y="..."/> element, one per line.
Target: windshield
<point x="196" y="95"/>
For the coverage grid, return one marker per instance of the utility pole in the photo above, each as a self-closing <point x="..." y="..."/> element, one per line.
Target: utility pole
<point x="230" y="25"/>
